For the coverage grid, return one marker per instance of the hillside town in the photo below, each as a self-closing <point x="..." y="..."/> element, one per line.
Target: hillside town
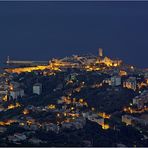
<point x="81" y="100"/>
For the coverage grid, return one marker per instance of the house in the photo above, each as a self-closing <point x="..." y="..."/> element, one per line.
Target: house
<point x="115" y="80"/>
<point x="3" y="129"/>
<point x="130" y="83"/>
<point x="35" y="141"/>
<point x="128" y="120"/>
<point x="37" y="88"/>
<point x="17" y="137"/>
<point x="17" y="92"/>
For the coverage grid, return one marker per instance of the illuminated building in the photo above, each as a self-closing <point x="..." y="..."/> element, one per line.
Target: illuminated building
<point x="122" y="73"/>
<point x="14" y="90"/>
<point x="130" y="120"/>
<point x="110" y="63"/>
<point x="14" y="85"/>
<point x="142" y="84"/>
<point x="12" y="106"/>
<point x="105" y="126"/>
<point x="100" y="52"/>
<point x="104" y="115"/>
<point x="25" y="111"/>
<point x="115" y="80"/>
<point x="130" y="83"/>
<point x="51" y="106"/>
<point x="3" y="129"/>
<point x="15" y="93"/>
<point x="127" y="119"/>
<point x="37" y="88"/>
<point x="141" y="100"/>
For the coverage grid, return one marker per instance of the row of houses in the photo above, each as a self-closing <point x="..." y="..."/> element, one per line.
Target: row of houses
<point x="141" y="100"/>
<point x="14" y="90"/>
<point x="130" y="120"/>
<point x="130" y="83"/>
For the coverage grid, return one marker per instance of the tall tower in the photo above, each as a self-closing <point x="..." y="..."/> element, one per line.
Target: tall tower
<point x="100" y="52"/>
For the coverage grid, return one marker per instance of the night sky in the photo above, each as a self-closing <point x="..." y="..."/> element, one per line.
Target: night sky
<point x="43" y="30"/>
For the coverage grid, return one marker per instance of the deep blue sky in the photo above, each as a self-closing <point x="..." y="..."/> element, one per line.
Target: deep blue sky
<point x="42" y="30"/>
